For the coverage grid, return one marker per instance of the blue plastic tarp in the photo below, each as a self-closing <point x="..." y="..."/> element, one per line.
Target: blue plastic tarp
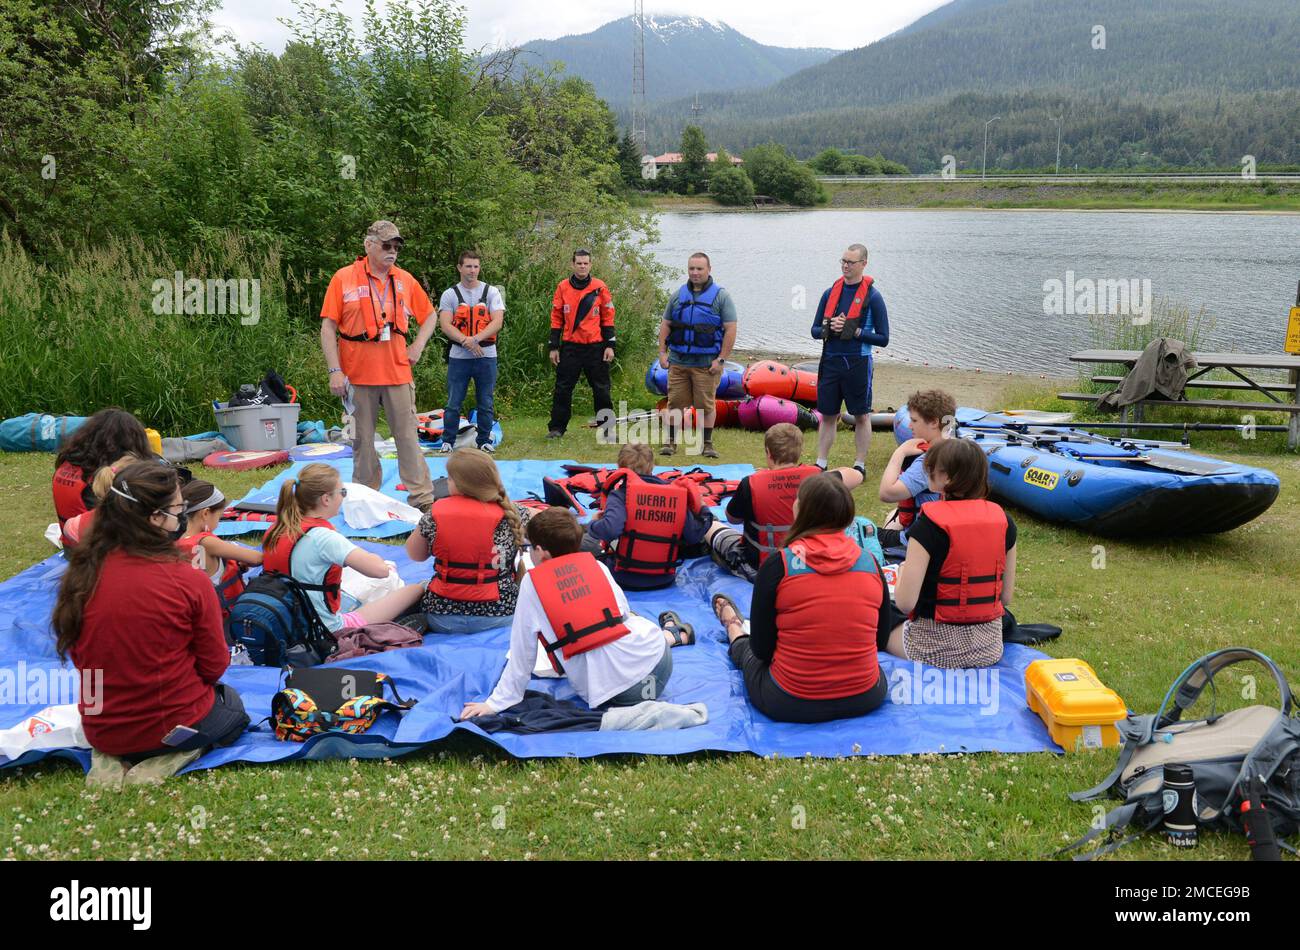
<point x="930" y="710"/>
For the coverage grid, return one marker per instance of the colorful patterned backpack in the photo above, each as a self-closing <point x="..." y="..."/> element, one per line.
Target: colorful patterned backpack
<point x="319" y="700"/>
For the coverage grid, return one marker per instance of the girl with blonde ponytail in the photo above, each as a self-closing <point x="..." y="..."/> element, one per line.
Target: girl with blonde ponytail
<point x="474" y="536"/>
<point x="309" y="502"/>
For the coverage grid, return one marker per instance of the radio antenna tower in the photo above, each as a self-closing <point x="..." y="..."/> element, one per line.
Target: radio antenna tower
<point x="696" y="109"/>
<point x="638" y="76"/>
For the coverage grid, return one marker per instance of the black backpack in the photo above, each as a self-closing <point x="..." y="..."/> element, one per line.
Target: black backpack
<point x="276" y="624"/>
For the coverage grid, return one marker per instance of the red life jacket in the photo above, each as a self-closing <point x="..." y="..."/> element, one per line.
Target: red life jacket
<point x="231" y="582"/>
<point x="75" y="528"/>
<point x="773" y="492"/>
<point x="69" y="492"/>
<point x="970" y="579"/>
<point x="279" y="557"/>
<point x="657" y="516"/>
<point x="855" y="308"/>
<point x="580" y="605"/>
<point x="466" y="563"/>
<point x="609" y="479"/>
<point x="826" y="625"/>
<point x="470" y="320"/>
<point x="907" y="508"/>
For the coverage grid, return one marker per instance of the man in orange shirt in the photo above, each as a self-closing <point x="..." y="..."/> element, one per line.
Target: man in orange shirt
<point x="369" y="336"/>
<point x="582" y="340"/>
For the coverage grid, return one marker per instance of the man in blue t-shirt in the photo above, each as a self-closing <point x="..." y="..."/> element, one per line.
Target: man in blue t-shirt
<point x="851" y="319"/>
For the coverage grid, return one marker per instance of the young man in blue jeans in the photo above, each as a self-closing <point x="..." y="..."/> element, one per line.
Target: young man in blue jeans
<point x="470" y="315"/>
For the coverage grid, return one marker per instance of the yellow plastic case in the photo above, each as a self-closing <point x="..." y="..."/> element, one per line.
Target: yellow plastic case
<point x="1079" y="710"/>
<point x="155" y="440"/>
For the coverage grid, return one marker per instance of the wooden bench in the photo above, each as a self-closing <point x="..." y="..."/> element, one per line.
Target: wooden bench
<point x="1239" y="364"/>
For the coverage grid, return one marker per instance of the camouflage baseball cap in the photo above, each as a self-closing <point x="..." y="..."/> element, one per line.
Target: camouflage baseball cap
<point x="383" y="231"/>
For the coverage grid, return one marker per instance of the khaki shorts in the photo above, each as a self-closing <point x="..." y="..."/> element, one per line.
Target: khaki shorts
<point x="693" y="386"/>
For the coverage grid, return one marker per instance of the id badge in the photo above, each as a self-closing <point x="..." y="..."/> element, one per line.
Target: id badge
<point x="386" y="334"/>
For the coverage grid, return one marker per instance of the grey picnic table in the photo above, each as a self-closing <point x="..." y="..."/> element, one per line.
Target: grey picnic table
<point x="1278" y="397"/>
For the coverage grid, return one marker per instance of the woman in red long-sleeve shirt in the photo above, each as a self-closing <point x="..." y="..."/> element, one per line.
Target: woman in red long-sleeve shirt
<point x="143" y="627"/>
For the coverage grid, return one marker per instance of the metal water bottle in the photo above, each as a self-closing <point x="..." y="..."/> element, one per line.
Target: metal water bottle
<point x="1180" y="805"/>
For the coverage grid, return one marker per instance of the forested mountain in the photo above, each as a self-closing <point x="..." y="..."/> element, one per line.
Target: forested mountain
<point x="683" y="56"/>
<point x="1161" y="81"/>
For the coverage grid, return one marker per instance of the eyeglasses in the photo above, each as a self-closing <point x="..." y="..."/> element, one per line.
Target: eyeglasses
<point x="846" y="263"/>
<point x="343" y="492"/>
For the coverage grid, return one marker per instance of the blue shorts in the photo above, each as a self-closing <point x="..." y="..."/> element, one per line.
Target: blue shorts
<point x="847" y="380"/>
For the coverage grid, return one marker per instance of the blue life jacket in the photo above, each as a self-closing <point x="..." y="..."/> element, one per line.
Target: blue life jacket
<point x="695" y="329"/>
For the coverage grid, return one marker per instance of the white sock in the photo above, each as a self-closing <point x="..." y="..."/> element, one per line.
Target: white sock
<point x="860" y="463"/>
<point x="822" y="463"/>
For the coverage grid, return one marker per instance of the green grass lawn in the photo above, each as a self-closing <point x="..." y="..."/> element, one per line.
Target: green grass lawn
<point x="1152" y="608"/>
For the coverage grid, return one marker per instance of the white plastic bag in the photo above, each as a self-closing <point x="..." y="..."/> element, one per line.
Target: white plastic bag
<point x="364" y="508"/>
<point x="54" y="727"/>
<point x="369" y="589"/>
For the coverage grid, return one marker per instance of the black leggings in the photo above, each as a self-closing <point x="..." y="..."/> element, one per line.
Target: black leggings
<point x="223" y="725"/>
<point x="775" y="703"/>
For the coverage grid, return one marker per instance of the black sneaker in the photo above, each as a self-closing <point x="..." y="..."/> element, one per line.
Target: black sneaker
<point x="555" y="434"/>
<point x="861" y="470"/>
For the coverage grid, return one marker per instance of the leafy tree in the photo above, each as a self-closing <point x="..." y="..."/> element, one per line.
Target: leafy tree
<point x="695" y="150"/>
<point x="831" y="161"/>
<point x="731" y="186"/>
<point x="775" y="172"/>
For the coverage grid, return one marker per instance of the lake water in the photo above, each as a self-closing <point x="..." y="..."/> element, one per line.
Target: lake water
<point x="966" y="288"/>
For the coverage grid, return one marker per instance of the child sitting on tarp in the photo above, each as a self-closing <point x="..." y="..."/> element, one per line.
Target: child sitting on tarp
<point x="105" y="438"/>
<point x="933" y="414"/>
<point x="819" y="607"/>
<point x="304" y="545"/>
<point x="474" y="536"/>
<point x="145" y="633"/>
<point x="643" y="541"/>
<point x="222" y="561"/>
<point x="570" y="605"/>
<point x="960" y="570"/>
<point x="764" y="504"/>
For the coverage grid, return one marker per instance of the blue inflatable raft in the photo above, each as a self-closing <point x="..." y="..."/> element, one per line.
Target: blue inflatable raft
<point x="730" y="386"/>
<point x="1118" y="487"/>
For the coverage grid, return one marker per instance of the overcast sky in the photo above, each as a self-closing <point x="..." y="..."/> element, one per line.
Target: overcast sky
<point x="839" y="24"/>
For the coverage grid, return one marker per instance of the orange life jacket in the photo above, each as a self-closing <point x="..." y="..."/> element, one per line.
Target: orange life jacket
<point x="366" y="323"/>
<point x="970" y="579"/>
<point x="471" y="320"/>
<point x="231" y="582"/>
<point x="773" y="492"/>
<point x="581" y="313"/>
<point x="657" y="516"/>
<point x="579" y="603"/>
<point x="466" y="563"/>
<point x="279" y="557"/>
<point x="69" y="491"/>
<point x="907" y="508"/>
